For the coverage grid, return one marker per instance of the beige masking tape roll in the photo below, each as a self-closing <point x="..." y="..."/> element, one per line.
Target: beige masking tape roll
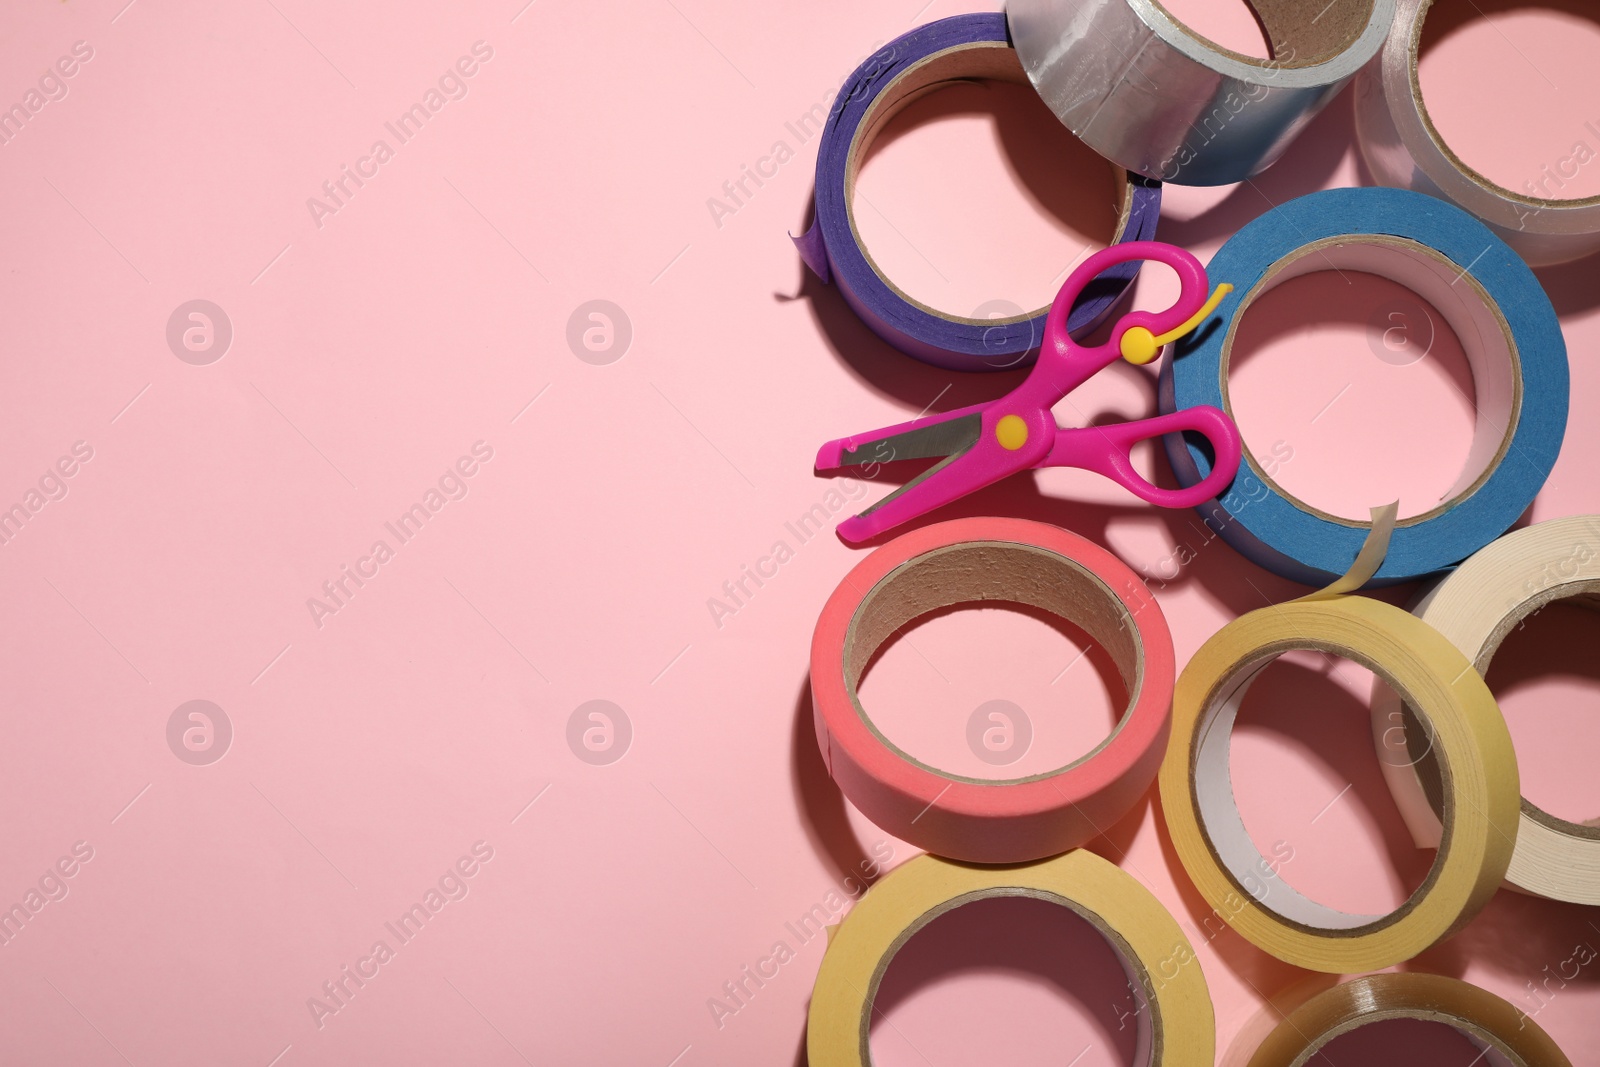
<point x="1172" y="1003"/>
<point x="1477" y="767"/>
<point x="1506" y="1036"/>
<point x="1404" y="149"/>
<point x="1482" y="601"/>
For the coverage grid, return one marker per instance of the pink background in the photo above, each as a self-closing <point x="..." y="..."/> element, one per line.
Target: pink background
<point x="375" y="746"/>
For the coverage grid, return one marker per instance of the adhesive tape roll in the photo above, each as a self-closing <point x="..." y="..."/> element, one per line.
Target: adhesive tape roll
<point x="1477" y="768"/>
<point x="991" y="560"/>
<point x="1149" y="93"/>
<point x="1475" y="608"/>
<point x="1506" y="1036"/>
<point x="1404" y="149"/>
<point x="910" y="66"/>
<point x="1488" y="296"/>
<point x="1172" y="1004"/>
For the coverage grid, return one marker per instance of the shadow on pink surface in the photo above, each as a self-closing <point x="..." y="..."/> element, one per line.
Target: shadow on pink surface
<point x="822" y="806"/>
<point x="1309" y="165"/>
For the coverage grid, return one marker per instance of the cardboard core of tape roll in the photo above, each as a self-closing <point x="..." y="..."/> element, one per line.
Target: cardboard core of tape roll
<point x="977" y="60"/>
<point x="987" y="572"/>
<point x="1460" y="299"/>
<point x="1504" y="1036"/>
<point x="1172" y="1006"/>
<point x="1293" y="27"/>
<point x="1475" y="608"/>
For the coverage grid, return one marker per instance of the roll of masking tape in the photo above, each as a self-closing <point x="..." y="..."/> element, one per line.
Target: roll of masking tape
<point x="1483" y="291"/>
<point x="1506" y="1037"/>
<point x="962" y="47"/>
<point x="1149" y="93"/>
<point x="1478" y="770"/>
<point x="1481" y="602"/>
<point x="1403" y="148"/>
<point x="1171" y="1002"/>
<point x="989" y="561"/>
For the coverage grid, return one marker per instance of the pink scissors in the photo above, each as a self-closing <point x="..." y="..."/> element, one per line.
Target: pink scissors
<point x="979" y="445"/>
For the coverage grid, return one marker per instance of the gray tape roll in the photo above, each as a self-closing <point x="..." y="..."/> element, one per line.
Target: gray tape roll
<point x="1153" y="96"/>
<point x="1404" y="150"/>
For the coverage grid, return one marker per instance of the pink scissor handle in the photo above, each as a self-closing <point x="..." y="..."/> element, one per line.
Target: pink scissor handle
<point x="1019" y="431"/>
<point x="1192" y="294"/>
<point x="1107" y="450"/>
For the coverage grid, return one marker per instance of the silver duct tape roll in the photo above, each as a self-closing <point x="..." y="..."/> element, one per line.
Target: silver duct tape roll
<point x="1403" y="149"/>
<point x="1153" y="96"/>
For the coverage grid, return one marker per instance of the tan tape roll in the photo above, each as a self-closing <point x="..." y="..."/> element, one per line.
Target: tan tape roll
<point x="1173" y="1005"/>
<point x="1404" y="148"/>
<point x="1475" y="608"/>
<point x="1478" y="772"/>
<point x="1506" y="1036"/>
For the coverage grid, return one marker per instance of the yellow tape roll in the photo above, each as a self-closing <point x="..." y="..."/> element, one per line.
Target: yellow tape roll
<point x="1477" y="768"/>
<point x="1176" y="1026"/>
<point x="1475" y="608"/>
<point x="1507" y="1037"/>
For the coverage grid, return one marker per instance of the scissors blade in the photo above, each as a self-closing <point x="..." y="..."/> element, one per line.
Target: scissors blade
<point x="939" y="440"/>
<point x="982" y="463"/>
<point x="918" y="480"/>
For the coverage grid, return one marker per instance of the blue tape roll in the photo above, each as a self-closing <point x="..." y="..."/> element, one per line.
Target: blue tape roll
<point x="947" y="50"/>
<point x="1292" y="539"/>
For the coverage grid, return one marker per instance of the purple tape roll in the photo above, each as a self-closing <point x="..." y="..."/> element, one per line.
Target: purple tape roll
<point x="958" y="48"/>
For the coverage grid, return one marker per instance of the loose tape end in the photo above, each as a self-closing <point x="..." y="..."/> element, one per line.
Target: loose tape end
<point x="813" y="251"/>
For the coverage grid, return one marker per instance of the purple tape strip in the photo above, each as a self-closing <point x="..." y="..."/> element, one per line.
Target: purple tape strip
<point x="829" y="247"/>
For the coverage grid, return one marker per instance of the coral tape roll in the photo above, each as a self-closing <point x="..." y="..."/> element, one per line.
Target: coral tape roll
<point x="1172" y="1003"/>
<point x="1508" y="331"/>
<point x="1477" y="766"/>
<point x="1475" y="608"/>
<point x="1004" y="560"/>
<point x="1404" y="149"/>
<point x="961" y="47"/>
<point x="1149" y="93"/>
<point x="1507" y="1036"/>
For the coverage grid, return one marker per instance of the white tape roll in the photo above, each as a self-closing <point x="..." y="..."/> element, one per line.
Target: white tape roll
<point x="1475" y="608"/>
<point x="1404" y="150"/>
